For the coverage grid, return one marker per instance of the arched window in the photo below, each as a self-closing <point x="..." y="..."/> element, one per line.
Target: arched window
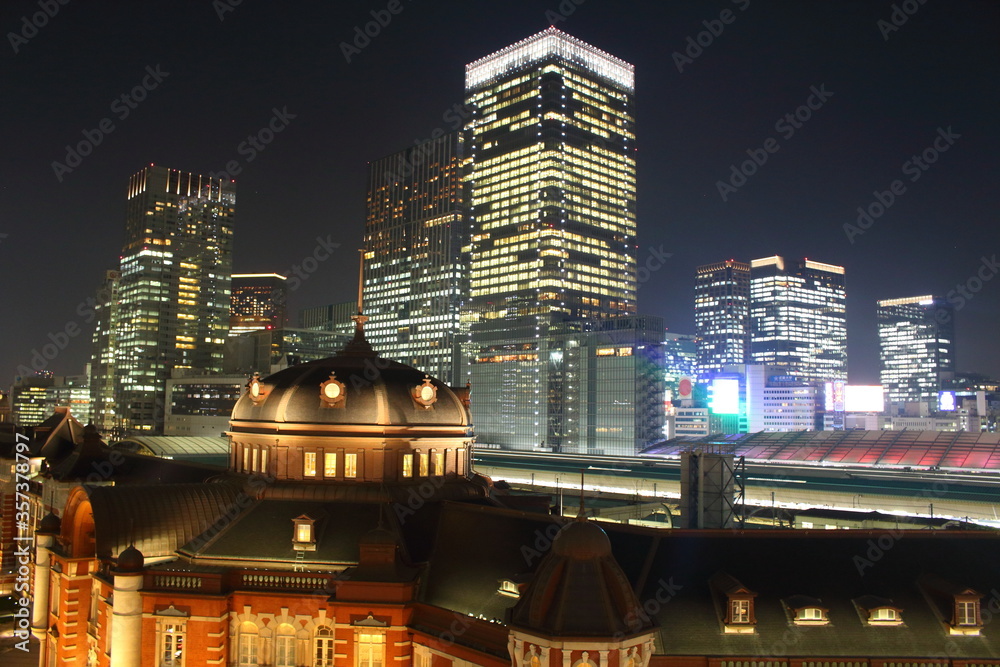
<point x="247" y="645"/>
<point x="323" y="647"/>
<point x="284" y="646"/>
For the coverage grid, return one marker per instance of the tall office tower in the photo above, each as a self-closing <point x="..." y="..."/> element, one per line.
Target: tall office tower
<point x="173" y="295"/>
<point x="258" y="301"/>
<point x="333" y="317"/>
<point x="553" y="189"/>
<point x="916" y="347"/>
<point x="722" y="315"/>
<point x="104" y="347"/>
<point x="798" y="318"/>
<point x="414" y="268"/>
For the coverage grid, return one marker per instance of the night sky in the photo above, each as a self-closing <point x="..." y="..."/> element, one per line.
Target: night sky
<point x="889" y="92"/>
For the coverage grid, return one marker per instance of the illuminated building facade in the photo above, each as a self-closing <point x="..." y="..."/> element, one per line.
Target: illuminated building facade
<point x="257" y="301"/>
<point x="104" y="347"/>
<point x="916" y="347"/>
<point x="553" y="189"/>
<point x="414" y="270"/>
<point x="174" y="290"/>
<point x="333" y="317"/>
<point x="35" y="398"/>
<point x="798" y="318"/>
<point x="600" y="389"/>
<point x="722" y="315"/>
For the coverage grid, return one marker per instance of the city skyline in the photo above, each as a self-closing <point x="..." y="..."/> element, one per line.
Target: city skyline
<point x="863" y="99"/>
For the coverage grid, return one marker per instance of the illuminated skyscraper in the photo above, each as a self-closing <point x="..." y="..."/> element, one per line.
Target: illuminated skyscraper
<point x="916" y="347"/>
<point x="104" y="346"/>
<point x="722" y="315"/>
<point x="174" y="290"/>
<point x="258" y="301"/>
<point x="798" y="318"/>
<point x="553" y="221"/>
<point x="414" y="271"/>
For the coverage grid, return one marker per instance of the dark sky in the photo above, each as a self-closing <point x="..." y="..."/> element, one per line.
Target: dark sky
<point x="221" y="80"/>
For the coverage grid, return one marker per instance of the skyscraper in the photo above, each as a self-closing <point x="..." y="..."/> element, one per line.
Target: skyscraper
<point x="722" y="315"/>
<point x="414" y="271"/>
<point x="258" y="301"/>
<point x="104" y="347"/>
<point x="916" y="347"/>
<point x="553" y="189"/>
<point x="174" y="290"/>
<point x="798" y="318"/>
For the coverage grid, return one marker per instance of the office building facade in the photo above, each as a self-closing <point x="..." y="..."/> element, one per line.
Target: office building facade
<point x="916" y="347"/>
<point x="798" y="318"/>
<point x="174" y="288"/>
<point x="257" y="301"/>
<point x="414" y="269"/>
<point x="332" y="317"/>
<point x="553" y="192"/>
<point x="722" y="315"/>
<point x="104" y="347"/>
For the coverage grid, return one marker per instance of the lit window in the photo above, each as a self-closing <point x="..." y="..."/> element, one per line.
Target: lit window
<point x="323" y="647"/>
<point x="172" y="645"/>
<point x="309" y="464"/>
<point x="263" y="460"/>
<point x="965" y="613"/>
<point x="884" y="614"/>
<point x="740" y="611"/>
<point x="350" y="465"/>
<point x="423" y="464"/>
<point x="809" y="614"/>
<point x="248" y="645"/>
<point x="284" y="646"/>
<point x="438" y="463"/>
<point x="329" y="465"/>
<point x="371" y="649"/>
<point x="407" y="465"/>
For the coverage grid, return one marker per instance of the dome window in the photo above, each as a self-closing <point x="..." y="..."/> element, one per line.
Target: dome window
<point x="256" y="389"/>
<point x="332" y="392"/>
<point x="425" y="394"/>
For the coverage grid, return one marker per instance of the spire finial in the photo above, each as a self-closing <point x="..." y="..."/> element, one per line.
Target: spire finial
<point x="582" y="514"/>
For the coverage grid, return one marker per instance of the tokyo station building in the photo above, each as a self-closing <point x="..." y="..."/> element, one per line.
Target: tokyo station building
<point x="350" y="529"/>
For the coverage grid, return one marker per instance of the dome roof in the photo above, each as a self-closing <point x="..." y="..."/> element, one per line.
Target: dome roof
<point x="130" y="560"/>
<point x="582" y="540"/>
<point x="348" y="389"/>
<point x="579" y="590"/>
<point x="50" y="524"/>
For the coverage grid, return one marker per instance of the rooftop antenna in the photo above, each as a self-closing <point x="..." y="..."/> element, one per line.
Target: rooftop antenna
<point x="358" y="346"/>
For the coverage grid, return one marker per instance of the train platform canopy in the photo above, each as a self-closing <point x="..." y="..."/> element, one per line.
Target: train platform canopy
<point x="208" y="450"/>
<point x="956" y="450"/>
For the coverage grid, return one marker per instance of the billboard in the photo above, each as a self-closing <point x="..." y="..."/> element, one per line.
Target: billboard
<point x="724" y="396"/>
<point x="947" y="401"/>
<point x="864" y="398"/>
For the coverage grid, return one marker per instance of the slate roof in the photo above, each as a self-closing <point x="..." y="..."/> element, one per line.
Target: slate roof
<point x="672" y="573"/>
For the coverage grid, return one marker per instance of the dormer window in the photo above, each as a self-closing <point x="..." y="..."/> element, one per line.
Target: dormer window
<point x="884" y="615"/>
<point x="509" y="588"/>
<point x="304" y="533"/>
<point x="810" y="614"/>
<point x="968" y="618"/>
<point x="737" y="605"/>
<point x="803" y="610"/>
